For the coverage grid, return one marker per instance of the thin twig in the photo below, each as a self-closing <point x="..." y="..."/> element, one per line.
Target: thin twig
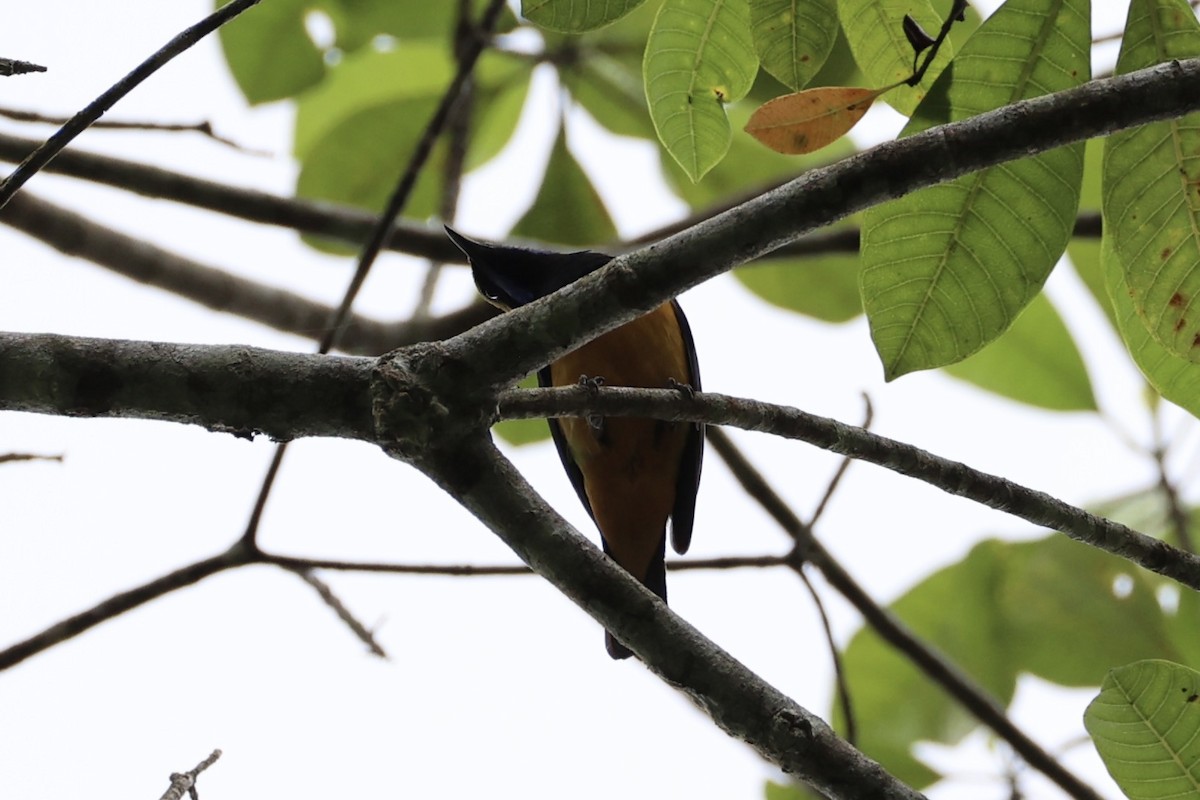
<point x="486" y="570"/>
<point x="841" y="470"/>
<point x="1176" y="515"/>
<point x="95" y="109"/>
<point x="120" y="603"/>
<point x="6" y="458"/>
<point x="325" y="592"/>
<point x="185" y="782"/>
<point x="11" y="66"/>
<point x="203" y="128"/>
<point x="408" y="180"/>
<point x="835" y="655"/>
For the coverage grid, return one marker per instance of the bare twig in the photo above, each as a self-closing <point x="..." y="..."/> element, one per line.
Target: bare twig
<point x="484" y="570"/>
<point x="6" y="458"/>
<point x="11" y="66"/>
<point x="1176" y="515"/>
<point x="841" y="470"/>
<point x="203" y="128"/>
<point x="845" y="699"/>
<point x="93" y="111"/>
<point x="120" y="603"/>
<point x="365" y="635"/>
<point x="185" y="782"/>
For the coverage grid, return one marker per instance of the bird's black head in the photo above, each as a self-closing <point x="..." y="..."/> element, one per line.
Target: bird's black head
<point x="508" y="277"/>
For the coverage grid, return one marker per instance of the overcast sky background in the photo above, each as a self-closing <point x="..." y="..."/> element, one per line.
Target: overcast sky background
<point x="500" y="685"/>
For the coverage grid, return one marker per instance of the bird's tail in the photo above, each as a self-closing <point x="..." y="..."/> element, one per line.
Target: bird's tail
<point x="656" y="581"/>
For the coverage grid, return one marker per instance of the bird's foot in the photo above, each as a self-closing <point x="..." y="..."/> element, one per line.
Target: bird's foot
<point x="594" y="421"/>
<point x="683" y="388"/>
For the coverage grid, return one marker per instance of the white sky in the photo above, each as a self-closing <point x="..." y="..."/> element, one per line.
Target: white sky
<point x="494" y="685"/>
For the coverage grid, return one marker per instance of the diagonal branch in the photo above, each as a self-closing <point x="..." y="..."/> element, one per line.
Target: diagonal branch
<point x="739" y="701"/>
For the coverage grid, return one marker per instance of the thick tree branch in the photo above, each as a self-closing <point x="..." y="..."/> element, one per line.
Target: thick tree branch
<point x="739" y="701"/>
<point x="952" y="477"/>
<point x="506" y="349"/>
<point x="246" y="390"/>
<point x="228" y="388"/>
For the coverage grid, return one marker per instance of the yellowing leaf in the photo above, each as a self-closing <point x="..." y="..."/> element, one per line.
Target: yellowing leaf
<point x="807" y="121"/>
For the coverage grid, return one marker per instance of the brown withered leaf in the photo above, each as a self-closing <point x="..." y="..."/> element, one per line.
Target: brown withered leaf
<point x="804" y="122"/>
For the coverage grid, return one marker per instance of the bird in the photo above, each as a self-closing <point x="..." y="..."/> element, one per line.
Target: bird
<point x="630" y="474"/>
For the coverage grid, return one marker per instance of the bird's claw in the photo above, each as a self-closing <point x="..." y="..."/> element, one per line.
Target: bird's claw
<point x="683" y="388"/>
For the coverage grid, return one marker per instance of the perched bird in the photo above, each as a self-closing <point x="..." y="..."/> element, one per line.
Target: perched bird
<point x="630" y="474"/>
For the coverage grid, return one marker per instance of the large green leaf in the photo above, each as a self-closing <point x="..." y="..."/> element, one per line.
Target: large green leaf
<point x="1017" y="607"/>
<point x="947" y="269"/>
<point x="875" y="31"/>
<point x="1151" y="205"/>
<point x="824" y="287"/>
<point x="575" y="16"/>
<point x="794" y="37"/>
<point x="1173" y="376"/>
<point x="1057" y="593"/>
<point x="567" y="209"/>
<point x="1145" y="724"/>
<point x="357" y="131"/>
<point x="1035" y="361"/>
<point x="699" y="57"/>
<point x="269" y="51"/>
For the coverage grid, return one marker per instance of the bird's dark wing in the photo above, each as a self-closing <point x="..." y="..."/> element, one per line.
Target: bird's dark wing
<point x="564" y="450"/>
<point x="688" y="482"/>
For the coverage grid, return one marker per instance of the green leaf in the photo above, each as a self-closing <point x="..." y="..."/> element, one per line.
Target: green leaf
<point x="603" y="71"/>
<point x="358" y="22"/>
<point x="1018" y="607"/>
<point x="874" y="30"/>
<point x="1035" y="362"/>
<point x="523" y="431"/>
<point x="1151" y="174"/>
<point x="794" y="37"/>
<point x="788" y="791"/>
<point x="567" y="209"/>
<point x="700" y="55"/>
<point x="1172" y="376"/>
<point x="894" y="704"/>
<point x="1145" y="724"/>
<point x="824" y="287"/>
<point x="948" y="268"/>
<point x="1055" y="588"/>
<point x="269" y="51"/>
<point x="356" y="133"/>
<point x="575" y="16"/>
